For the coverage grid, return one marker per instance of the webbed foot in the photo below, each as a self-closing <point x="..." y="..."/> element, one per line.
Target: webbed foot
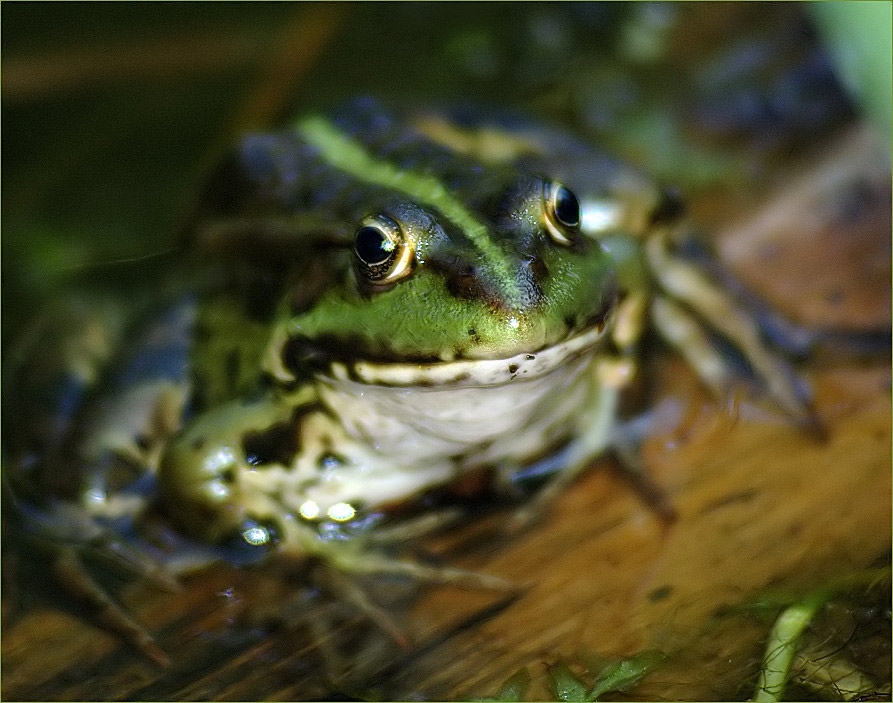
<point x="63" y="552"/>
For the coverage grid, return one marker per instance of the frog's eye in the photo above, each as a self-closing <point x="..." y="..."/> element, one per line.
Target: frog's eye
<point x="562" y="212"/>
<point x="382" y="253"/>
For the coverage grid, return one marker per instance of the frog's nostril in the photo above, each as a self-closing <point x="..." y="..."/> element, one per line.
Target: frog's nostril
<point x="535" y="268"/>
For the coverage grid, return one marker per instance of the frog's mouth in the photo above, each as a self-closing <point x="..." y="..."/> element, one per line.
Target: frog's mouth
<point x="472" y="372"/>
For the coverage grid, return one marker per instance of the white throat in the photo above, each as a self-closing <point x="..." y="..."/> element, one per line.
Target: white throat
<point x="473" y="422"/>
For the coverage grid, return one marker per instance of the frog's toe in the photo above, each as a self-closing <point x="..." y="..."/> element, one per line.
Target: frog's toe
<point x="373" y="553"/>
<point x="65" y="527"/>
<point x="115" y="555"/>
<point x="348" y="590"/>
<point x="100" y="608"/>
<point x="378" y="563"/>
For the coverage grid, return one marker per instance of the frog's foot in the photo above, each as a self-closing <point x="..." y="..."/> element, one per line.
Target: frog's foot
<point x="73" y="547"/>
<point x="369" y="554"/>
<point x="342" y="562"/>
<point x="690" y="297"/>
<point x="101" y="609"/>
<point x="358" y="587"/>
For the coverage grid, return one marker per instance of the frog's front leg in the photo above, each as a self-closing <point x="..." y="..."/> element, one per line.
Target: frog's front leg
<point x="595" y="426"/>
<point x="272" y="473"/>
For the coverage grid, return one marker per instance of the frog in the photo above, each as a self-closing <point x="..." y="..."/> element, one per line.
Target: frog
<point x="380" y="303"/>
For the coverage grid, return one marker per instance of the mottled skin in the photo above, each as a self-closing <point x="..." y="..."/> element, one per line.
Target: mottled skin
<point x="486" y="279"/>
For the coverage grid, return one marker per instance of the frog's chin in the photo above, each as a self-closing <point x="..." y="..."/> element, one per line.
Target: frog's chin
<point x="472" y="372"/>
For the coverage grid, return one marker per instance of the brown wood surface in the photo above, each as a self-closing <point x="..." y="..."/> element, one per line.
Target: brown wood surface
<point x="760" y="504"/>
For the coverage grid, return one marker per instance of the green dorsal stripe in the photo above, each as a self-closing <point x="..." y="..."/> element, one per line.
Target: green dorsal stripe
<point x="346" y="155"/>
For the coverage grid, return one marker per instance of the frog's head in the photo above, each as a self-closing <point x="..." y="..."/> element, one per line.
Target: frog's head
<point x="485" y="265"/>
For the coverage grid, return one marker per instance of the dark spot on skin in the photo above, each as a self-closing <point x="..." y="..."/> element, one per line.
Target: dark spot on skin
<point x="197" y="443"/>
<point x="232" y="366"/>
<point x="292" y="354"/>
<point x="143" y="441"/>
<point x="277" y="444"/>
<point x="465" y="286"/>
<point x="513" y="368"/>
<point x="669" y="208"/>
<point x="531" y="357"/>
<point x="660" y="593"/>
<point x="261" y="297"/>
<point x="459" y="351"/>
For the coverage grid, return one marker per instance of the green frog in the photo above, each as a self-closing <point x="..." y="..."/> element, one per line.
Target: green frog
<point x="385" y="303"/>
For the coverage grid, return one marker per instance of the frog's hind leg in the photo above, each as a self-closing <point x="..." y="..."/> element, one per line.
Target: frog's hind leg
<point x="688" y="295"/>
<point x="78" y="473"/>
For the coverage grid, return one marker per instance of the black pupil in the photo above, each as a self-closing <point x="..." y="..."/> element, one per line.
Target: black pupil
<point x="567" y="207"/>
<point x="372" y="246"/>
